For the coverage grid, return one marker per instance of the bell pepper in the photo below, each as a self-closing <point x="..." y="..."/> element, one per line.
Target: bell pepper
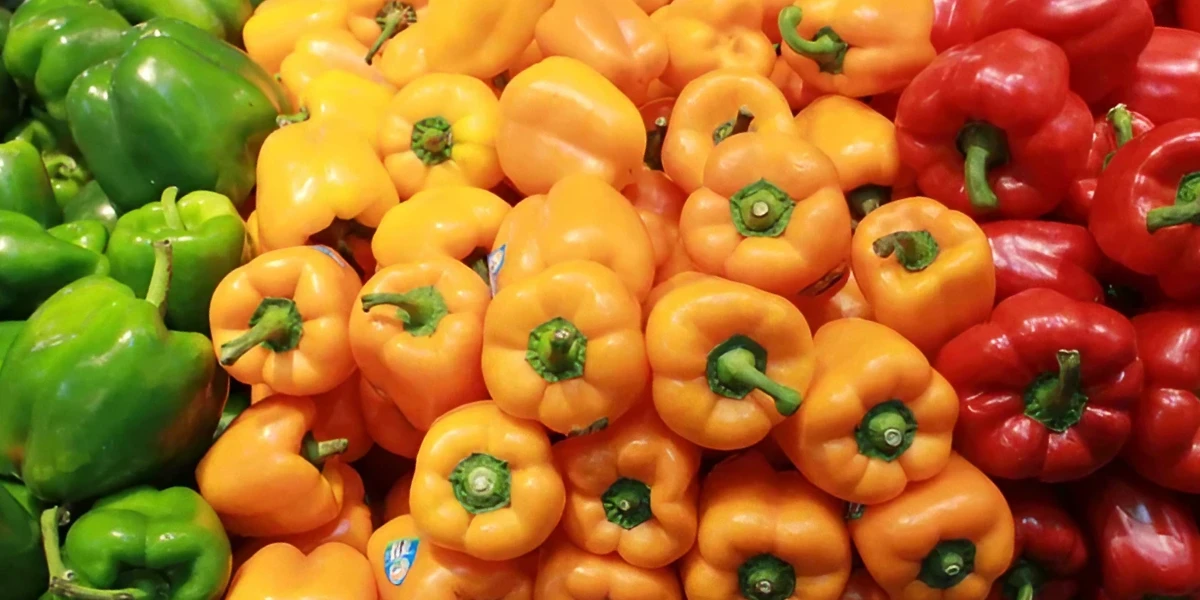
<point x="1050" y="551"/>
<point x="790" y="84"/>
<point x="222" y="19"/>
<point x="729" y="361"/>
<point x="11" y="105"/>
<point x="320" y="52"/>
<point x="946" y="537"/>
<point x="22" y="562"/>
<point x="845" y="303"/>
<point x="143" y="542"/>
<point x="568" y="573"/>
<point x="748" y="545"/>
<point x="614" y="37"/>
<point x="862" y="587"/>
<point x="396" y="502"/>
<point x="770" y="215"/>
<point x="386" y="425"/>
<point x="416" y="332"/>
<point x="408" y="566"/>
<point x="992" y="128"/>
<point x="91" y="204"/>
<point x="710" y="109"/>
<point x="1046" y="386"/>
<point x="59" y="157"/>
<point x="36" y="264"/>
<point x="1045" y="254"/>
<point x="282" y="320"/>
<point x="952" y="25"/>
<point x="339" y="416"/>
<point x="1158" y="86"/>
<point x="207" y="237"/>
<point x="876" y="417"/>
<point x="596" y="130"/>
<point x="1146" y="540"/>
<point x="659" y="202"/>
<point x="707" y="35"/>
<point x="1144" y="211"/>
<point x="83" y="414"/>
<point x="581" y="218"/>
<point x="1112" y="131"/>
<point x="927" y="270"/>
<point x="565" y="348"/>
<point x="454" y="222"/>
<point x="1187" y="12"/>
<point x="88" y="235"/>
<point x="485" y="484"/>
<point x="440" y="130"/>
<point x="357" y="101"/>
<point x="858" y="49"/>
<point x="333" y="571"/>
<point x="268" y="476"/>
<point x="631" y="489"/>
<point x="8" y="335"/>
<point x="25" y="186"/>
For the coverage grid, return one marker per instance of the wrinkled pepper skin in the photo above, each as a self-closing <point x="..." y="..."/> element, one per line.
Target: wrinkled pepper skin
<point x="36" y="264"/>
<point x="1045" y="254"/>
<point x="568" y="573"/>
<point x="1111" y="131"/>
<point x="992" y="128"/>
<point x="22" y="561"/>
<point x="1050" y="552"/>
<point x="1046" y="387"/>
<point x="10" y="102"/>
<point x="205" y="137"/>
<point x="333" y="571"/>
<point x="1166" y="70"/>
<point x="24" y="184"/>
<point x="222" y="19"/>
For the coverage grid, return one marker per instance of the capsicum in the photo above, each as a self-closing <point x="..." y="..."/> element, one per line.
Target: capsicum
<point x="92" y="204"/>
<point x="396" y="501"/>
<point x="339" y="416"/>
<point x="1045" y="254"/>
<point x="952" y="25"/>
<point x="1050" y="551"/>
<point x="386" y="424"/>
<point x="456" y="222"/>
<point x="845" y="303"/>
<point x="320" y="52"/>
<point x="862" y="587"/>
<point x="59" y="158"/>
<point x="357" y="102"/>
<point x="333" y="571"/>
<point x="25" y="186"/>
<point x="1113" y="130"/>
<point x="22" y="561"/>
<point x="8" y="335"/>
<point x="993" y="129"/>
<point x="222" y="19"/>
<point x="37" y="264"/>
<point x="659" y="202"/>
<point x="1166" y="70"/>
<point x="11" y="105"/>
<point x="707" y="35"/>
<point x="1046" y="386"/>
<point x="88" y="235"/>
<point x="566" y="572"/>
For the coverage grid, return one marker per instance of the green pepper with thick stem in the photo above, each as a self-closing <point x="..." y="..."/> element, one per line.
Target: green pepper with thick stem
<point x="24" y="185"/>
<point x="22" y="563"/>
<point x="34" y="264"/>
<point x="222" y="19"/>
<point x="100" y="395"/>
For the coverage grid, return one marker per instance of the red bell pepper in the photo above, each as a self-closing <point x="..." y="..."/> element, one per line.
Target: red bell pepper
<point x="1188" y="14"/>
<point x="1165" y="445"/>
<point x="1145" y="215"/>
<point x="1050" y="551"/>
<point x="1045" y="254"/>
<point x="1145" y="537"/>
<point x="992" y="129"/>
<point x="951" y="25"/>
<point x="1163" y="84"/>
<point x="1111" y="131"/>
<point x="1045" y="387"/>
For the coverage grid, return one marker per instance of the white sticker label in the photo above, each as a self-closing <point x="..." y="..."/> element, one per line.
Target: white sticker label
<point x="495" y="262"/>
<point x="398" y="559"/>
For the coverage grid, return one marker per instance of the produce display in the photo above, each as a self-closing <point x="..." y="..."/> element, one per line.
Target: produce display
<point x="599" y="299"/>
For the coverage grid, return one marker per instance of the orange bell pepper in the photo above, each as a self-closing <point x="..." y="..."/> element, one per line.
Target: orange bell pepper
<point x="712" y="108"/>
<point x="581" y="218"/>
<point x="948" y="537"/>
<point x="441" y="130"/>
<point x="658" y="201"/>
<point x="386" y="424"/>
<point x="788" y="82"/>
<point x="416" y="332"/>
<point x="770" y="20"/>
<point x="631" y="489"/>
<point x="614" y="37"/>
<point x="566" y="348"/>
<point x="396" y="503"/>
<point x="857" y="48"/>
<point x="282" y="320"/>
<point x="846" y="303"/>
<point x="770" y="214"/>
<point x="568" y="573"/>
<point x="766" y="535"/>
<point x="319" y="52"/>
<point x="662" y="289"/>
<point x="862" y="145"/>
<point x="560" y="117"/>
<point x="268" y="476"/>
<point x="485" y="484"/>
<point x="652" y="5"/>
<point x="927" y="270"/>
<point x="862" y="587"/>
<point x="706" y="35"/>
<point x="339" y="415"/>
<point x="408" y="566"/>
<point x="359" y="103"/>
<point x="333" y="571"/>
<point x="452" y="222"/>
<point x="729" y="361"/>
<point x="876" y="417"/>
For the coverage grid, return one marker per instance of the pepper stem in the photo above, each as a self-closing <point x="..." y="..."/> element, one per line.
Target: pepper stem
<point x="62" y="166"/>
<point x="827" y="48"/>
<point x="1185" y="210"/>
<point x="292" y="119"/>
<point x="432" y="140"/>
<point x="62" y="579"/>
<point x="914" y="250"/>
<point x="654" y="144"/>
<point x="1056" y="399"/>
<point x="1122" y="124"/>
<point x="482" y="483"/>
<point x="393" y="18"/>
<point x="865" y="199"/>
<point x="478" y="261"/>
<point x="171" y="209"/>
<point x="983" y="147"/>
<point x="886" y="431"/>
<point x="738" y="124"/>
<point x="557" y="350"/>
<point x="738" y="368"/>
<point x="766" y="577"/>
<point x="627" y="503"/>
<point x="160" y="277"/>
<point x="421" y="309"/>
<point x="276" y="324"/>
<point x="1023" y="580"/>
<point x="761" y="210"/>
<point x="318" y="452"/>
<point x="950" y="562"/>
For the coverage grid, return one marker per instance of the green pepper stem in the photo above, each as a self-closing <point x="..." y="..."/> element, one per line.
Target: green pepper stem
<point x="1185" y="210"/>
<point x="50" y="520"/>
<point x="482" y="483"/>
<point x="737" y="368"/>
<point x="914" y="250"/>
<point x="277" y="323"/>
<point x="160" y="277"/>
<point x="740" y="123"/>
<point x="318" y="452"/>
<point x="62" y="579"/>
<point x="292" y="119"/>
<point x="420" y="309"/>
<point x="761" y="209"/>
<point x="766" y="577"/>
<point x="864" y="200"/>
<point x="1026" y="592"/>
<point x="171" y="209"/>
<point x="827" y="50"/>
<point x="62" y="166"/>
<point x="627" y="503"/>
<point x="1122" y="124"/>
<point x="393" y="18"/>
<point x="983" y="146"/>
<point x="433" y="140"/>
<point x="654" y="144"/>
<point x="557" y="350"/>
<point x="478" y="261"/>
<point x="1058" y="397"/>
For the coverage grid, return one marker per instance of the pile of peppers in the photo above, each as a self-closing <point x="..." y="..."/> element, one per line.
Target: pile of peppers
<point x="599" y="299"/>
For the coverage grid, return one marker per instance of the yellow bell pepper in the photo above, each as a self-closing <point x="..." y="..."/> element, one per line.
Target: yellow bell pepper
<point x="452" y="222"/>
<point x="322" y="51"/>
<point x="706" y="35"/>
<point x="360" y="102"/>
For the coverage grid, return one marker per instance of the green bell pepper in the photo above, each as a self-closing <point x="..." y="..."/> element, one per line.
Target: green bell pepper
<point x="140" y="544"/>
<point x="8" y="334"/>
<point x="25" y="186"/>
<point x="179" y="108"/>
<point x="207" y="236"/>
<point x="10" y="96"/>
<point x="220" y="18"/>
<point x="92" y="204"/>
<point x="67" y="175"/>
<point x="35" y="264"/>
<point x="89" y="235"/>
<point x="22" y="561"/>
<point x="100" y="395"/>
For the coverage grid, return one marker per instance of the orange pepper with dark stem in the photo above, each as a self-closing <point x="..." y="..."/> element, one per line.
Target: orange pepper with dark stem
<point x="729" y="361"/>
<point x="710" y="110"/>
<point x="948" y="537"/>
<point x="322" y="51"/>
<point x="416" y="333"/>
<point x="485" y="484"/>
<point x="658" y="201"/>
<point x="452" y="222"/>
<point x="857" y="48"/>
<point x="925" y="269"/>
<point x="845" y="303"/>
<point x="568" y="573"/>
<point x="862" y="587"/>
<point x="770" y="214"/>
<point x="333" y="571"/>
<point x="566" y="348"/>
<point x="267" y="475"/>
<point x="386" y="424"/>
<point x="358" y="102"/>
<point x="876" y="417"/>
<point x="707" y="35"/>
<point x="282" y="320"/>
<point x="339" y="415"/>
<point x="435" y="573"/>
<point x="396" y="503"/>
<point x="766" y="535"/>
<point x="631" y="489"/>
<point x="582" y="218"/>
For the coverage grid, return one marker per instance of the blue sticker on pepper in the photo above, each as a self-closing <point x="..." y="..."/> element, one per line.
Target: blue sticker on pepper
<point x="331" y="253"/>
<point x="495" y="263"/>
<point x="398" y="558"/>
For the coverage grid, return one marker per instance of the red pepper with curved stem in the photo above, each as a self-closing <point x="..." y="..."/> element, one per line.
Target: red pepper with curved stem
<point x="1145" y="537"/>
<point x="1145" y="215"/>
<point x="1045" y="254"/>
<point x="951" y="25"/>
<point x="1113" y="130"/>
<point x="1045" y="387"/>
<point x="1163" y="84"/>
<point x="992" y="128"/>
<point x="1050" y="552"/>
